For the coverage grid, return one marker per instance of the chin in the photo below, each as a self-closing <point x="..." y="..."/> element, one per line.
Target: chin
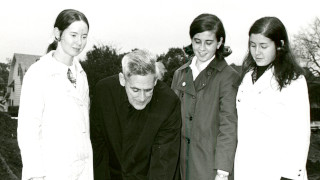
<point x="75" y="52"/>
<point x="203" y="59"/>
<point x="139" y="107"/>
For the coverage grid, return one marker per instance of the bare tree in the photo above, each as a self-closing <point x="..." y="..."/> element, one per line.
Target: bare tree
<point x="306" y="45"/>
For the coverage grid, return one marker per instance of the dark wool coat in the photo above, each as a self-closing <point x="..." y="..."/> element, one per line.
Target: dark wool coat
<point x="209" y="119"/>
<point x="155" y="153"/>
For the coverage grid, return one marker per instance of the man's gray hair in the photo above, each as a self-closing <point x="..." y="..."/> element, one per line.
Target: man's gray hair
<point x="139" y="62"/>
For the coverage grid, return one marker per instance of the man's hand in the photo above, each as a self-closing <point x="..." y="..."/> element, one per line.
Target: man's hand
<point x="221" y="178"/>
<point x="222" y="175"/>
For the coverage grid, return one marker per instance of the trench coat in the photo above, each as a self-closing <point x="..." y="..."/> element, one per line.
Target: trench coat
<point x="209" y="119"/>
<point x="273" y="129"/>
<point x="53" y="123"/>
<point x="155" y="152"/>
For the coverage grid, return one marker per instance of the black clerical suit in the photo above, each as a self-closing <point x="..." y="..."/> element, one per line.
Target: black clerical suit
<point x="130" y="144"/>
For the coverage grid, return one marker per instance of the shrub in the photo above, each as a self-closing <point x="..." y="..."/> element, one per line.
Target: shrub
<point x="13" y="111"/>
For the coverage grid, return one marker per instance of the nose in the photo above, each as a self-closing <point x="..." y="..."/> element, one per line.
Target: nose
<point x="142" y="96"/>
<point x="79" y="40"/>
<point x="257" y="50"/>
<point x="202" y="46"/>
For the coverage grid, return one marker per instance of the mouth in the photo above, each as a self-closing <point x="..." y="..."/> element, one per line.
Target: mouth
<point x="202" y="54"/>
<point x="77" y="49"/>
<point x="140" y="103"/>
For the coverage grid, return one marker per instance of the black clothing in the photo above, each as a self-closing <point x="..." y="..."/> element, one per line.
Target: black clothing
<point x="130" y="144"/>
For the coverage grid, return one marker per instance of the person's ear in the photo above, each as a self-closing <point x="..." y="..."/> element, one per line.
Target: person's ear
<point x="155" y="82"/>
<point x="57" y="34"/>
<point x="219" y="43"/>
<point x="282" y="43"/>
<point x="281" y="46"/>
<point x="122" y="79"/>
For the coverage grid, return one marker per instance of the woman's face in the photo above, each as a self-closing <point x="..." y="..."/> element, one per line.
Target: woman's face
<point x="262" y="49"/>
<point x="204" y="45"/>
<point x="74" y="38"/>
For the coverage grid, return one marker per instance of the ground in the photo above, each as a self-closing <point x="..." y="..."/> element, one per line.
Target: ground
<point x="10" y="160"/>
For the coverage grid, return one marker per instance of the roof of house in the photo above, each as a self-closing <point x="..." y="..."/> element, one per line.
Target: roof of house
<point x="23" y="61"/>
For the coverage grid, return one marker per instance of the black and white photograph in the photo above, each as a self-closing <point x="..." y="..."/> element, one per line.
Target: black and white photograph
<point x="160" y="90"/>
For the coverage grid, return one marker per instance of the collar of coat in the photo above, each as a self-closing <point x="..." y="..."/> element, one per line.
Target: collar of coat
<point x="266" y="81"/>
<point x="217" y="63"/>
<point x="54" y="69"/>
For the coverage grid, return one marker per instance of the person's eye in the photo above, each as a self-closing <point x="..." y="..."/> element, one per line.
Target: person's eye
<point x="209" y="43"/>
<point x="197" y="41"/>
<point x="135" y="90"/>
<point x="264" y="46"/>
<point x="149" y="90"/>
<point x="252" y="45"/>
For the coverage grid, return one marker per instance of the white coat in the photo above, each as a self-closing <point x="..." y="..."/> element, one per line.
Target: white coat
<point x="273" y="129"/>
<point x="53" y="123"/>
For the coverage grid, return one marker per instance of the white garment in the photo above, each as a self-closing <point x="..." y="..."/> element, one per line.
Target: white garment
<point x="53" y="123"/>
<point x="194" y="68"/>
<point x="73" y="70"/>
<point x="273" y="129"/>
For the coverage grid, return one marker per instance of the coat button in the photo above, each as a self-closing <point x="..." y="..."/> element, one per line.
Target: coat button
<point x="239" y="100"/>
<point x="188" y="140"/>
<point x="190" y="118"/>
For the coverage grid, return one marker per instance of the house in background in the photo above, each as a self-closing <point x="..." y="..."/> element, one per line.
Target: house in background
<point x="19" y="66"/>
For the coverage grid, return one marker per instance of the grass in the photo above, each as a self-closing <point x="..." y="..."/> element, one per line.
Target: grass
<point x="10" y="159"/>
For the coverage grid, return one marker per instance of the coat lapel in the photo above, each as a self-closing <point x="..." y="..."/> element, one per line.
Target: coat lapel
<point x="185" y="83"/>
<point x="266" y="81"/>
<point x="210" y="71"/>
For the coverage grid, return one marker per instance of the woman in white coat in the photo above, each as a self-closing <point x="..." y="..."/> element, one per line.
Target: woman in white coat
<point x="273" y="108"/>
<point x="53" y="122"/>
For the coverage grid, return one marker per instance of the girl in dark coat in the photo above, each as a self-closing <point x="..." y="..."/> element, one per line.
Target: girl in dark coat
<point x="205" y="85"/>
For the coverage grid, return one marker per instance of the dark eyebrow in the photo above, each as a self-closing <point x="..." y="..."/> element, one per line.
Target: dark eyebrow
<point x="258" y="43"/>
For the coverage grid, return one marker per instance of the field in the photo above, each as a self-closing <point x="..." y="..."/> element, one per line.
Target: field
<point x="10" y="160"/>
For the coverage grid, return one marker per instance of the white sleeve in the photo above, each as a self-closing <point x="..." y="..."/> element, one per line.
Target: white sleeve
<point x="30" y="124"/>
<point x="297" y="132"/>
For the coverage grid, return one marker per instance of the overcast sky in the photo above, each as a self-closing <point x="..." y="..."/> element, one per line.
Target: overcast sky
<point x="157" y="25"/>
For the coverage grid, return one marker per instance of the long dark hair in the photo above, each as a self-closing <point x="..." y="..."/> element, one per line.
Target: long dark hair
<point x="63" y="21"/>
<point x="285" y="65"/>
<point x="207" y="22"/>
